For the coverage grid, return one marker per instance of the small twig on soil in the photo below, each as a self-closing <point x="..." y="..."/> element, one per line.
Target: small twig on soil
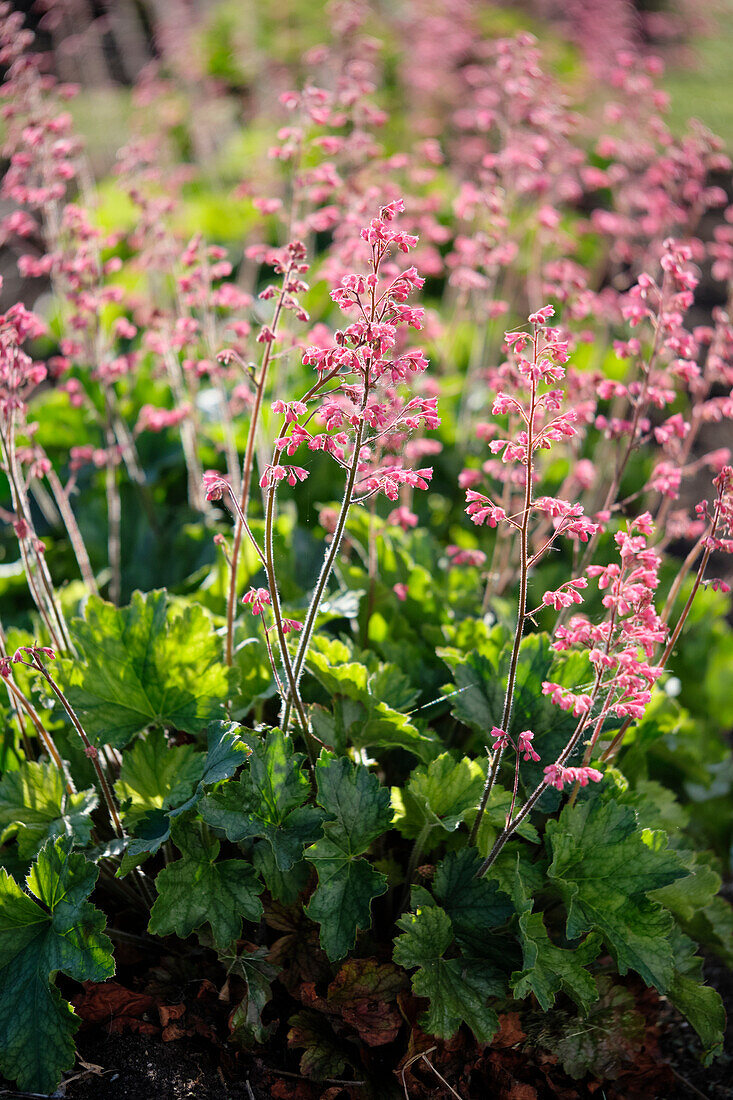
<point x="440" y="1077"/>
<point x="326" y="1080"/>
<point x="249" y="1090"/>
<point x="424" y="1056"/>
<point x="407" y="1065"/>
<point x="688" y="1084"/>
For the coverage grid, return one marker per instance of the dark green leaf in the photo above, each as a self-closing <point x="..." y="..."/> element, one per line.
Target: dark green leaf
<point x="284" y="886"/>
<point x="267" y="801"/>
<point x="459" y="989"/>
<point x="475" y="906"/>
<point x="698" y="1002"/>
<point x="245" y="1022"/>
<point x="347" y="884"/>
<point x="604" y="868"/>
<point x="323" y="1055"/>
<point x="547" y="968"/>
<point x="60" y="931"/>
<point x="603" y="1043"/>
<point x="199" y="889"/>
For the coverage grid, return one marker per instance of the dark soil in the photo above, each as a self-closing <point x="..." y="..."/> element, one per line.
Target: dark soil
<point x="143" y="1066"/>
<point x="114" y="1066"/>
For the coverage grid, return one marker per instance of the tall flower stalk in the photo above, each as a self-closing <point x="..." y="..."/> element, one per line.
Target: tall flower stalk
<point x="356" y="397"/>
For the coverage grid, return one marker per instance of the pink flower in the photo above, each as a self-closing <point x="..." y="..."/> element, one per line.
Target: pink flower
<point x="482" y="510"/>
<point x="402" y="517"/>
<point x="524" y="744"/>
<point x="32" y="651"/>
<point x="291" y="409"/>
<point x="257" y="597"/>
<point x="567" y="700"/>
<point x="400" y="591"/>
<point x="542" y="316"/>
<point x="289" y="625"/>
<point x="501" y="738"/>
<point x="215" y="486"/>
<point x="566" y="595"/>
<point x="557" y="776"/>
<point x="273" y="474"/>
<point x="460" y="556"/>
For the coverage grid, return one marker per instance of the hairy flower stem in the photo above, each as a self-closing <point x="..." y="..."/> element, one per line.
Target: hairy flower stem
<point x="36" y="570"/>
<point x="282" y="641"/>
<point x="372" y="562"/>
<point x="514" y="789"/>
<point x="247" y="467"/>
<point x="43" y="735"/>
<point x="521" y="617"/>
<point x="89" y="749"/>
<point x="114" y="516"/>
<point x="537" y="793"/>
<point x="72" y="529"/>
<point x="187" y="430"/>
<point x="326" y="568"/>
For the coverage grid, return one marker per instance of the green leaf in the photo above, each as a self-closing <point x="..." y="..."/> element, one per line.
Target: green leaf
<point x="390" y="684"/>
<point x="156" y="775"/>
<point x="437" y="798"/>
<point x="267" y="801"/>
<point x="151" y="833"/>
<point x="347" y="884"/>
<point x="198" y="890"/>
<point x="604" y="1042"/>
<point x="284" y="886"/>
<point x="458" y="989"/>
<point x="149" y="664"/>
<point x="476" y="906"/>
<point x="226" y="752"/>
<point x="353" y="725"/>
<point x="713" y="928"/>
<point x="328" y="660"/>
<point x="604" y="868"/>
<point x="549" y="969"/>
<point x="480" y="690"/>
<point x="480" y="678"/>
<point x="55" y="929"/>
<point x="694" y="892"/>
<point x="245" y="1022"/>
<point x="363" y="703"/>
<point x="324" y="1056"/>
<point x="698" y="1002"/>
<point x="35" y="807"/>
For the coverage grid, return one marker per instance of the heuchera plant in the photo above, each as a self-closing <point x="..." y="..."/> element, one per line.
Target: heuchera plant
<point x="330" y="749"/>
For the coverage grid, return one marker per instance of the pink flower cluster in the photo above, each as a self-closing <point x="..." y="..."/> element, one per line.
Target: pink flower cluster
<point x="556" y="775"/>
